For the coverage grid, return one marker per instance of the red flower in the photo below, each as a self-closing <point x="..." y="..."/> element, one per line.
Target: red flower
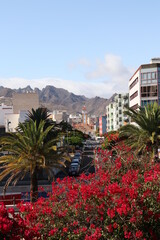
<point x="110" y="228"/>
<point x="111" y="213"/>
<point x="139" y="234"/>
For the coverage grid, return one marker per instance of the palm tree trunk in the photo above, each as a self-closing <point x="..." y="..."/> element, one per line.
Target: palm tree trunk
<point x="34" y="186"/>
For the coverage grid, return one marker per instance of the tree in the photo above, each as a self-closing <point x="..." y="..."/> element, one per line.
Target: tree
<point x="75" y="140"/>
<point x="145" y="131"/>
<point x="29" y="152"/>
<point x="38" y="115"/>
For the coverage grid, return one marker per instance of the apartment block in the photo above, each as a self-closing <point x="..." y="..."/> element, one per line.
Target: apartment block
<point x="4" y="109"/>
<point x="115" y="112"/>
<point x="60" y="115"/>
<point x="75" y="118"/>
<point x="102" y="125"/>
<point x="144" y="85"/>
<point x="25" y="101"/>
<point x="13" y="119"/>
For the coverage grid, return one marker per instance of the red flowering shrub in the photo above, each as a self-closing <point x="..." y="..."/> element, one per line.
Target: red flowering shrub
<point x="120" y="201"/>
<point x="110" y="139"/>
<point x="13" y="226"/>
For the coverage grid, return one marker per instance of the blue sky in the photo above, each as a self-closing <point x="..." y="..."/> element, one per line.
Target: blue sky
<point x="89" y="47"/>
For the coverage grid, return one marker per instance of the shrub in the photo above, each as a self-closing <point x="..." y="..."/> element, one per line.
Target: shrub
<point x="120" y="201"/>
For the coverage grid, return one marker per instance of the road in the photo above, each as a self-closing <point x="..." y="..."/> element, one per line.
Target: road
<point x="88" y="162"/>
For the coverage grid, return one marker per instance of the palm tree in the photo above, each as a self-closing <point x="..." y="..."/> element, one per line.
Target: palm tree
<point x="145" y="131"/>
<point x="38" y="115"/>
<point x="43" y="114"/>
<point x="28" y="152"/>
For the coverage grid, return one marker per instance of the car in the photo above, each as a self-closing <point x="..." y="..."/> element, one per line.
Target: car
<point x="78" y="155"/>
<point x="74" y="169"/>
<point x="76" y="160"/>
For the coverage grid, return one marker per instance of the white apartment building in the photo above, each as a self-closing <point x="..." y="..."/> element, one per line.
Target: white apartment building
<point x="115" y="112"/>
<point x="144" y="85"/>
<point x="75" y="118"/>
<point x="4" y="109"/>
<point x="60" y="115"/>
<point x="13" y="119"/>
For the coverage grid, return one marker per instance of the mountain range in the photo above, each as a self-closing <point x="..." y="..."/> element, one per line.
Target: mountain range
<point x="58" y="98"/>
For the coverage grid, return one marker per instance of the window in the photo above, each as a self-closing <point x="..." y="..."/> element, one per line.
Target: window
<point x="149" y="91"/>
<point x="146" y="102"/>
<point x="153" y="75"/>
<point x="144" y="76"/>
<point x="134" y="95"/>
<point x="134" y="107"/>
<point x="133" y="83"/>
<point x="120" y="111"/>
<point x="148" y="76"/>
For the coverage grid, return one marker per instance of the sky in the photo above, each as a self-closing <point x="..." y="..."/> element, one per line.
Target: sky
<point x="88" y="47"/>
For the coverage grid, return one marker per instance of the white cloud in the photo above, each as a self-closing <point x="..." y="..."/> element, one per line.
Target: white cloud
<point x="89" y="89"/>
<point x="109" y="77"/>
<point x="113" y="72"/>
<point x="81" y="62"/>
<point x="84" y="62"/>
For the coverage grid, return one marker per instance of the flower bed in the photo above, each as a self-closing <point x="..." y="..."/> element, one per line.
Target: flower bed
<point x="120" y="201"/>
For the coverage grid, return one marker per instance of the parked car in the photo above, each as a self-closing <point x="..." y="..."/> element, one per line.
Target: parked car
<point x="77" y="155"/>
<point x="74" y="169"/>
<point x="76" y="160"/>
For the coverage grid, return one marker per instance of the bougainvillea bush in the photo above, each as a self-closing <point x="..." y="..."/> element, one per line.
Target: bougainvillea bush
<point x="120" y="201"/>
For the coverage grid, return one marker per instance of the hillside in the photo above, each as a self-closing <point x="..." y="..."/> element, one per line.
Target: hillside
<point x="59" y="98"/>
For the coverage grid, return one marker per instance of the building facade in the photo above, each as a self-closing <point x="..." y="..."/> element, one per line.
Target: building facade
<point x="115" y="112"/>
<point x="102" y="125"/>
<point x="4" y="109"/>
<point x="144" y="85"/>
<point x="84" y="115"/>
<point x="13" y="119"/>
<point x="60" y="115"/>
<point x="25" y="101"/>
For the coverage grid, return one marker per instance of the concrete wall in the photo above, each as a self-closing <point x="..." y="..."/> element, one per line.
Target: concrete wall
<point x="25" y="101"/>
<point x="137" y="99"/>
<point x="11" y="122"/>
<point x="4" y="109"/>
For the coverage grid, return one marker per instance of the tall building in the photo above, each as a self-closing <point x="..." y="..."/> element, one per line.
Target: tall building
<point x="60" y="115"/>
<point x="4" y="109"/>
<point x="102" y="125"/>
<point x="144" y="85"/>
<point x="115" y="112"/>
<point x="25" y="101"/>
<point x="22" y="103"/>
<point x="84" y="115"/>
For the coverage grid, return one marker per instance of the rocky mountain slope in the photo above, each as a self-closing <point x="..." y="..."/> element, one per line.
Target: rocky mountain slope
<point x="58" y="98"/>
